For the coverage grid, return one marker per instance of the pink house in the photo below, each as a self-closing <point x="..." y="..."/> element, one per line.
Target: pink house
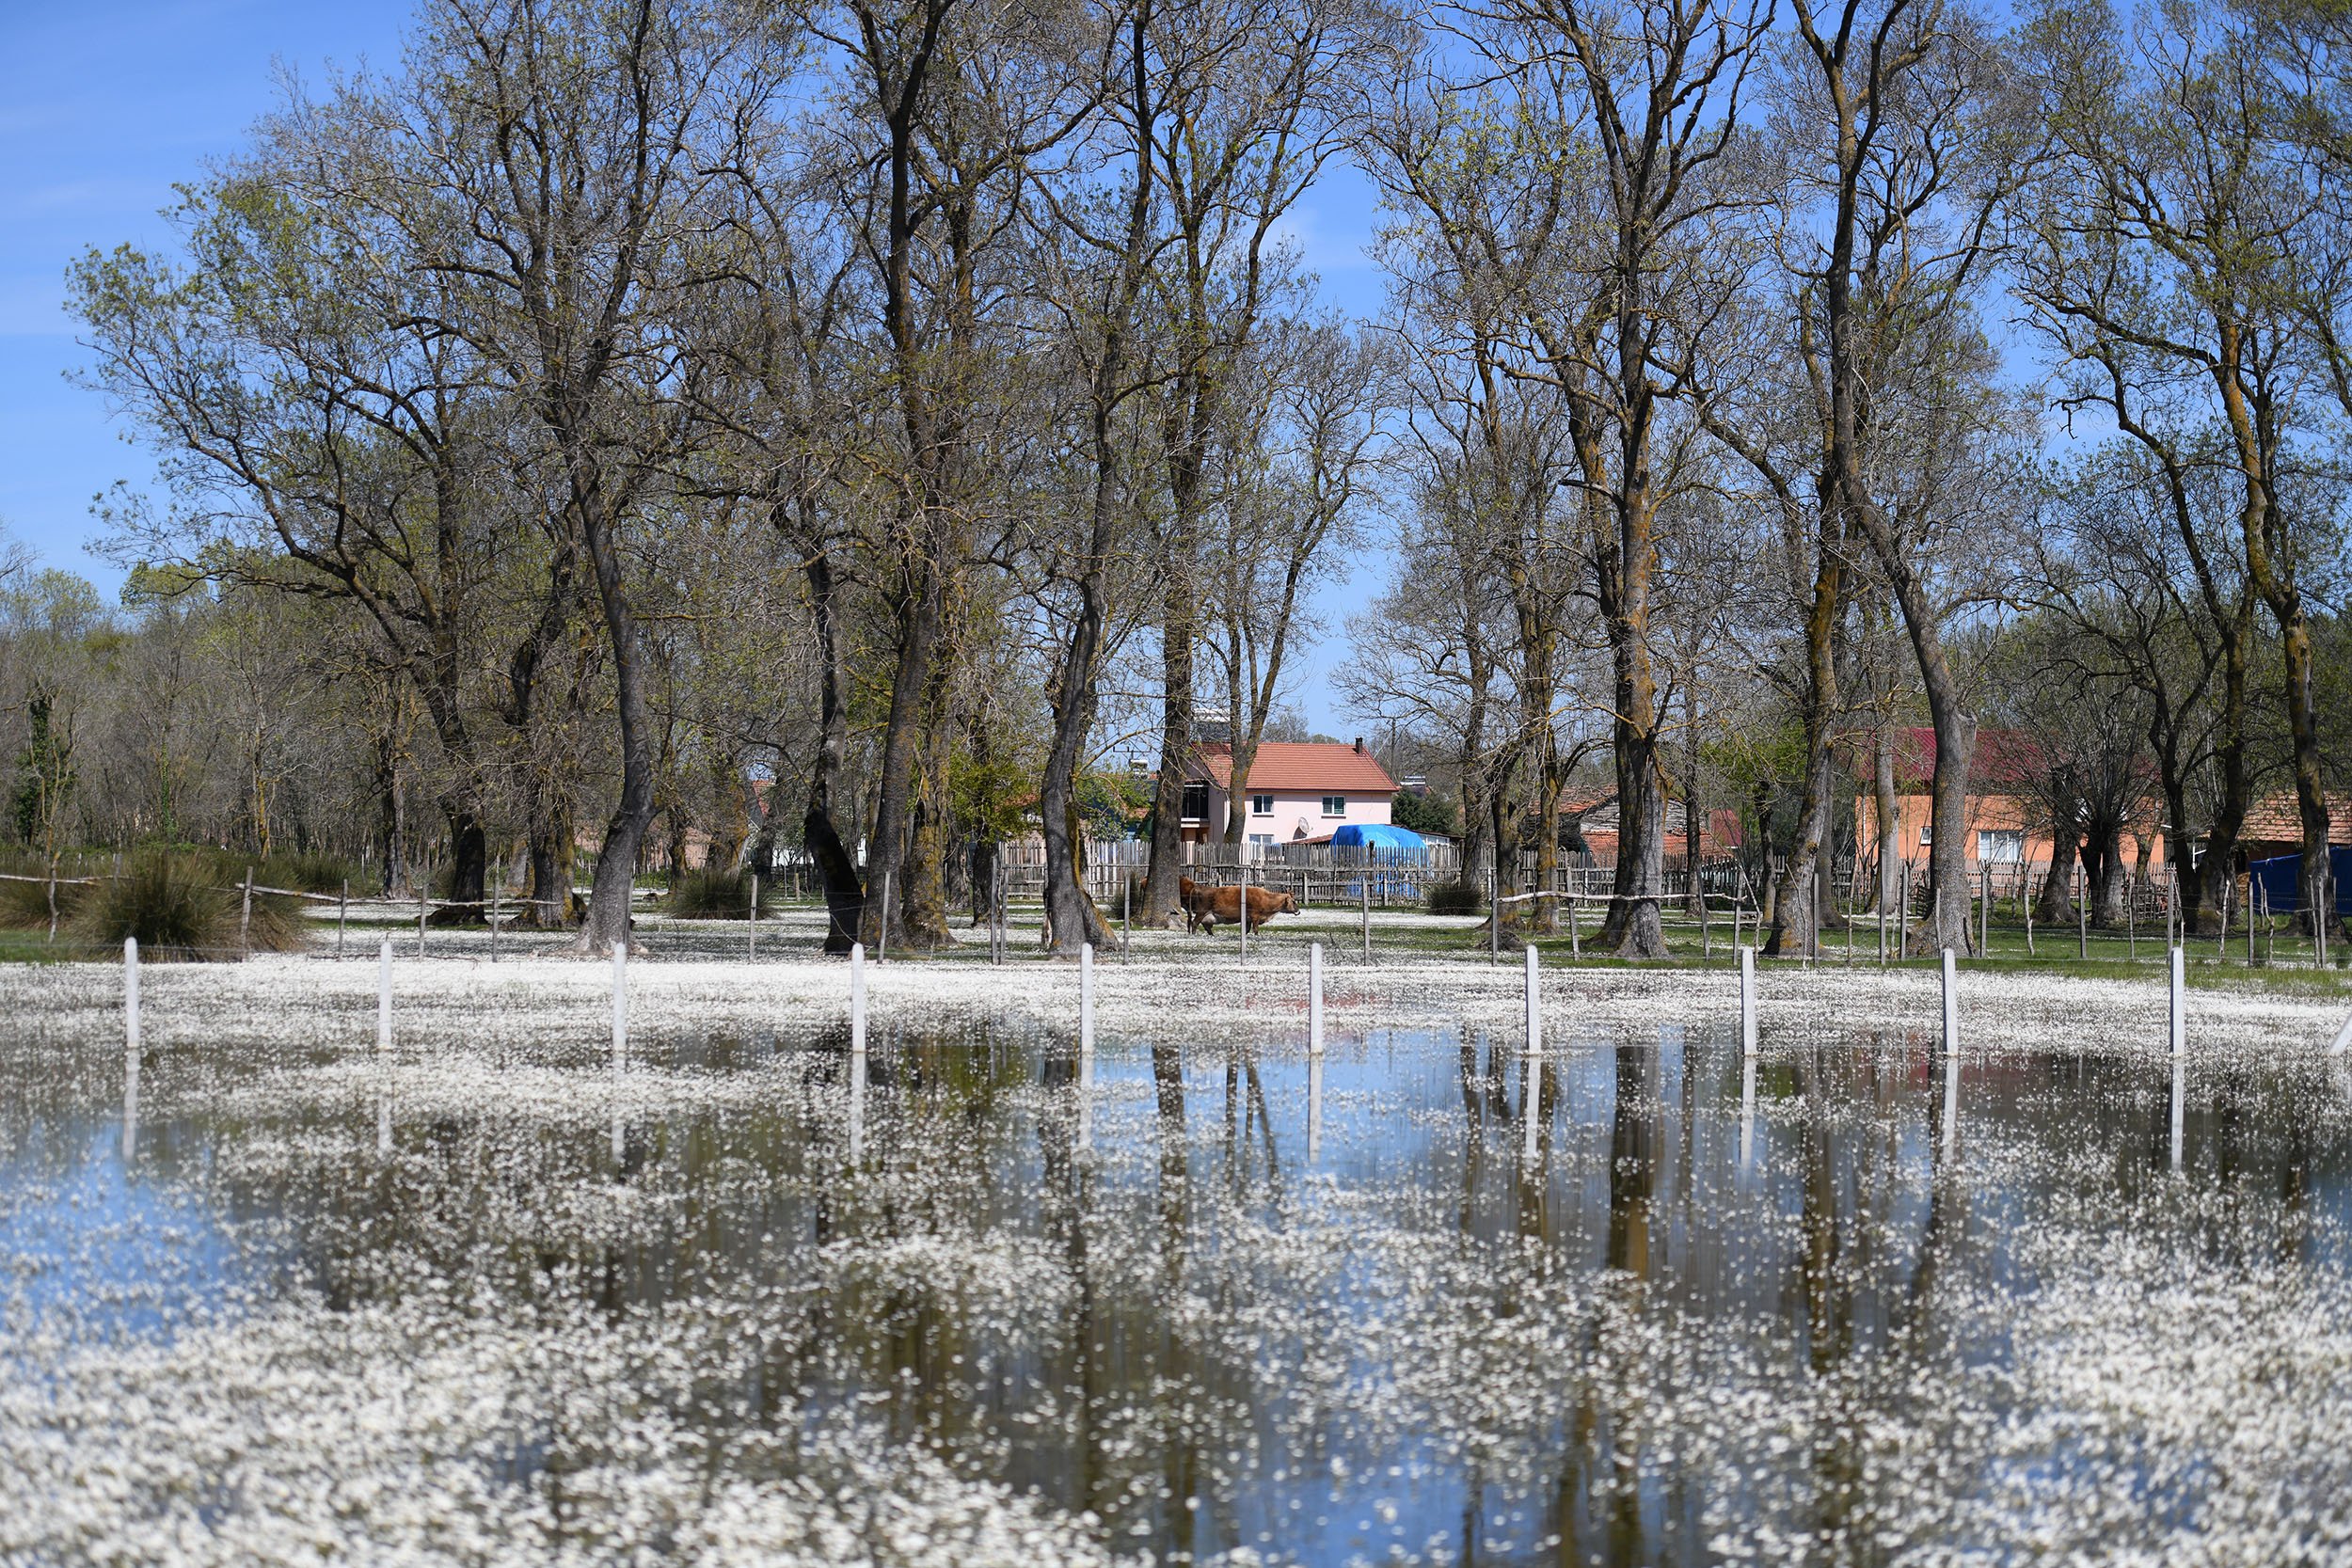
<point x="1299" y="791"/>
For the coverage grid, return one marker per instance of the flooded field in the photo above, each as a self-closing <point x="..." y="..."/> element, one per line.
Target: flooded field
<point x="973" y="1298"/>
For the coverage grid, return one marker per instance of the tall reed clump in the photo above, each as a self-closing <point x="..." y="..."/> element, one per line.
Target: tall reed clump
<point x="1457" y="899"/>
<point x="711" y="896"/>
<point x="24" y="904"/>
<point x="178" y="911"/>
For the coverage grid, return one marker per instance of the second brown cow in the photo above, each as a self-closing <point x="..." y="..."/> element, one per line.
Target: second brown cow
<point x="1205" y="906"/>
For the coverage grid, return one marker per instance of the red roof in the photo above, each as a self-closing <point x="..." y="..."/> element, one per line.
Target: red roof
<point x="2007" y="757"/>
<point x="1308" y="767"/>
<point x="2278" y="819"/>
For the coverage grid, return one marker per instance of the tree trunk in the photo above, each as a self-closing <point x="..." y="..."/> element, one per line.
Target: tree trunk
<point x="469" y="870"/>
<point x="1796" y="918"/>
<point x="1693" y="832"/>
<point x="895" y="803"/>
<point x="1168" y="795"/>
<point x="616" y="878"/>
<point x="2056" y="904"/>
<point x="1890" y="827"/>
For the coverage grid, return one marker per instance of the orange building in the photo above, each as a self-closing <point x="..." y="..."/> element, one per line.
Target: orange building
<point x="2005" y="820"/>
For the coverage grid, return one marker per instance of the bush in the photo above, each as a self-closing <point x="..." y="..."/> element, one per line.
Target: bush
<point x="177" y="910"/>
<point x="711" y="896"/>
<point x="1456" y="898"/>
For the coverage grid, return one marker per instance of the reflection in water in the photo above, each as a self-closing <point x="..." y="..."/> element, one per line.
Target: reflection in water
<point x="1747" y="1113"/>
<point x="1314" y="1108"/>
<point x="2180" y="1093"/>
<point x="1688" y="1297"/>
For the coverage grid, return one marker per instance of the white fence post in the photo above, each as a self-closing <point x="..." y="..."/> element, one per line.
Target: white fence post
<point x="857" y="999"/>
<point x="131" y="1000"/>
<point x="1747" y="1000"/>
<point x="1534" y="1005"/>
<point x="384" y="996"/>
<point x="620" y="1002"/>
<point x="1951" y="1003"/>
<point x="2177" y="1016"/>
<point x="1085" y="999"/>
<point x="1315" y="998"/>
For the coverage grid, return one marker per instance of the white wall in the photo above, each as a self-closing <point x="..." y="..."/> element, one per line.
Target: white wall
<point x="1291" y="807"/>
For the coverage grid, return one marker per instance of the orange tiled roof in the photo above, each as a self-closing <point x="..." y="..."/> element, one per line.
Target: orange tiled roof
<point x="1298" y="764"/>
<point x="2278" y="818"/>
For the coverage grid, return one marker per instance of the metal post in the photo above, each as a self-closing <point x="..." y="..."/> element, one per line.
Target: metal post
<point x="1126" y="911"/>
<point x="1902" y="919"/>
<point x="2131" y="915"/>
<point x="384" y="996"/>
<point x="498" y="886"/>
<point x="244" y="917"/>
<point x="1494" y="914"/>
<point x="1365" y="888"/>
<point x="882" y="950"/>
<point x="751" y="927"/>
<point x="1575" y="934"/>
<point x="2221" y="938"/>
<point x="2082" y="913"/>
<point x="1984" y="910"/>
<point x="420" y="913"/>
<point x="1314" y="999"/>
<point x="1747" y="999"/>
<point x="1242" y="924"/>
<point x="342" y="913"/>
<point x="1706" y="932"/>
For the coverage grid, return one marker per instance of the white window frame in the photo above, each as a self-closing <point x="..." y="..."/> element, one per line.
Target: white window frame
<point x="2010" y="841"/>
<point x="1927" y="835"/>
<point x="1260" y="804"/>
<point x="1330" y="800"/>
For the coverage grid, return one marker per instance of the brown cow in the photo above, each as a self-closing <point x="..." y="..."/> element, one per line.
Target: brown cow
<point x="1205" y="906"/>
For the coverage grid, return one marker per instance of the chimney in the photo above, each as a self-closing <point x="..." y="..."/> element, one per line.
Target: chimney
<point x="1360" y="745"/>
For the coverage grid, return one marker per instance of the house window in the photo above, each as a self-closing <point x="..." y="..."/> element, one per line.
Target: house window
<point x="1262" y="838"/>
<point x="1262" y="805"/>
<point x="1196" y="801"/>
<point x="1335" y="805"/>
<point x="2001" y="846"/>
<point x="1927" y="834"/>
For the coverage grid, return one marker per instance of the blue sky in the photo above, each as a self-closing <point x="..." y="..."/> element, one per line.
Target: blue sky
<point x="103" y="106"/>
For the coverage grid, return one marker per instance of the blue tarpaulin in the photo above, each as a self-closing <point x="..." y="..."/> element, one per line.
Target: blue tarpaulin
<point x="1397" y="845"/>
<point x="1387" y="847"/>
<point x="2281" y="878"/>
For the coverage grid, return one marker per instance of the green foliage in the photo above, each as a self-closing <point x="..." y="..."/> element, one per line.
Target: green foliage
<point x="177" y="911"/>
<point x="45" y="774"/>
<point x="711" y="896"/>
<point x="1108" y="803"/>
<point x="1456" y="898"/>
<point x="990" y="796"/>
<point x="1424" y="814"/>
